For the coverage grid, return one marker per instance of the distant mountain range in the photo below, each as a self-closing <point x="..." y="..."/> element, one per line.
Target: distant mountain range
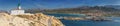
<point x="105" y="8"/>
<point x="114" y="6"/>
<point x="92" y="10"/>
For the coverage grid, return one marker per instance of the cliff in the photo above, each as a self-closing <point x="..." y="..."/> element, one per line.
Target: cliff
<point x="37" y="19"/>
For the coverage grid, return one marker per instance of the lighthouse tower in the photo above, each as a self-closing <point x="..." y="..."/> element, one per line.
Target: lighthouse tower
<point x="17" y="11"/>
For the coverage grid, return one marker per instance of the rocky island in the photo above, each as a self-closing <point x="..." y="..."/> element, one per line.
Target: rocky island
<point x="37" y="19"/>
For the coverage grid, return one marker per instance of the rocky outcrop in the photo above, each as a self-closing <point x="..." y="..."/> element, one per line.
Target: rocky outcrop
<point x="37" y="19"/>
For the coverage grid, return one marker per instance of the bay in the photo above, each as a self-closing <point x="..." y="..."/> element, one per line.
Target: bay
<point x="115" y="21"/>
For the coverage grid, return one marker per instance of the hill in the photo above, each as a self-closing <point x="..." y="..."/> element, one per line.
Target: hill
<point x="88" y="10"/>
<point x="106" y="10"/>
<point x="38" y="19"/>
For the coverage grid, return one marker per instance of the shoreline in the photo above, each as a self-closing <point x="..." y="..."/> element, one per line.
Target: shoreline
<point x="106" y="15"/>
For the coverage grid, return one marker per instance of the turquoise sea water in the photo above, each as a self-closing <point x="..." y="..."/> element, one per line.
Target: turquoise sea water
<point x="115" y="21"/>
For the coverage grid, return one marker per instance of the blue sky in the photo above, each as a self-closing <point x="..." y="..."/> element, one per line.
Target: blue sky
<point x="11" y="4"/>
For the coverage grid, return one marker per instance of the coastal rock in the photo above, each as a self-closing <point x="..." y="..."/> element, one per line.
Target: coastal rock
<point x="37" y="19"/>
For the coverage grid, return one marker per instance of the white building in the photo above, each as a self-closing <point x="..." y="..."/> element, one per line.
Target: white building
<point x="17" y="11"/>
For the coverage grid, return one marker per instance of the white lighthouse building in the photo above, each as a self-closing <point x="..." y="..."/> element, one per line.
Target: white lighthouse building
<point x="17" y="11"/>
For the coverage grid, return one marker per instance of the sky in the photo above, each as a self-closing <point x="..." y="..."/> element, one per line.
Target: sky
<point x="54" y="4"/>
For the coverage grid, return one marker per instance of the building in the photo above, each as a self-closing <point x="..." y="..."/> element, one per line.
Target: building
<point x="17" y="11"/>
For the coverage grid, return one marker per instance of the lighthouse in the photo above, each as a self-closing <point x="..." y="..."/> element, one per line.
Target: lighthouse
<point x="18" y="10"/>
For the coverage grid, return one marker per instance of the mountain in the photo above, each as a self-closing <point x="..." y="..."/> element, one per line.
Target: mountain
<point x="88" y="10"/>
<point x="105" y="8"/>
<point x="3" y="11"/>
<point x="92" y="10"/>
<point x="114" y="6"/>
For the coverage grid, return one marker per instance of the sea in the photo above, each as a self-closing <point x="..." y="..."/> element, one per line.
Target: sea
<point x="114" y="22"/>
